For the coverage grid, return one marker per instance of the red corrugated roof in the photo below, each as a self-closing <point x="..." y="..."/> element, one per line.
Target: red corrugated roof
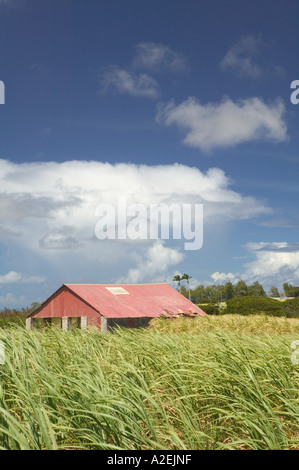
<point x="134" y="300"/>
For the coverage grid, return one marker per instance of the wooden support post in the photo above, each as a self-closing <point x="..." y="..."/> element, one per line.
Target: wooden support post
<point x="84" y="323"/>
<point x="66" y="323"/>
<point x="103" y="324"/>
<point x="29" y="323"/>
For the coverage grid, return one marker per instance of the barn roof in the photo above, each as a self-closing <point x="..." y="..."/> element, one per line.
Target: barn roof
<point x="132" y="300"/>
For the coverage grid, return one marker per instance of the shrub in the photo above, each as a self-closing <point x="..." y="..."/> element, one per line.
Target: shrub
<point x="201" y="300"/>
<point x="291" y="308"/>
<point x="7" y="317"/>
<point x="255" y="306"/>
<point x="210" y="309"/>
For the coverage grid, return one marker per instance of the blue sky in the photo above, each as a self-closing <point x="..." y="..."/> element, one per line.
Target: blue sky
<point x="175" y="102"/>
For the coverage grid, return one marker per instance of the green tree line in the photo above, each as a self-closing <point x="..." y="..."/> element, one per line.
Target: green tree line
<point x="8" y="315"/>
<point x="222" y="293"/>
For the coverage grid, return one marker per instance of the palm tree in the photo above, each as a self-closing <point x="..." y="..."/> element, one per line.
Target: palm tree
<point x="187" y="277"/>
<point x="177" y="278"/>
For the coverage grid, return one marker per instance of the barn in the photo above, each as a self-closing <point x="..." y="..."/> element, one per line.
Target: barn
<point x="108" y="305"/>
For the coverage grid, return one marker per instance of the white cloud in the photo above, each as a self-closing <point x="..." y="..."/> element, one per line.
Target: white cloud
<point x="13" y="277"/>
<point x="10" y="277"/>
<point x="222" y="277"/>
<point x="240" y="59"/>
<point x="155" y="57"/>
<point x="63" y="196"/>
<point x="227" y="123"/>
<point x="126" y="82"/>
<point x="52" y="207"/>
<point x="4" y="232"/>
<point x="245" y="59"/>
<point x="154" y="265"/>
<point x="272" y="246"/>
<point x="149" y="56"/>
<point x="274" y="264"/>
<point x="63" y="238"/>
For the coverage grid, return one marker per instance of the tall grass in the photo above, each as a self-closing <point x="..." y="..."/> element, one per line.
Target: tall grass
<point x="147" y="389"/>
<point x="256" y="324"/>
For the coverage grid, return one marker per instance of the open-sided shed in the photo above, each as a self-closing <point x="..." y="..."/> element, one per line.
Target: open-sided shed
<point x="108" y="305"/>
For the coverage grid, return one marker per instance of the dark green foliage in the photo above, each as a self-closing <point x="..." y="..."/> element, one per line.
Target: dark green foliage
<point x="228" y="291"/>
<point x="294" y="292"/>
<point x="177" y="278"/>
<point x="290" y="291"/>
<point x="273" y="292"/>
<point x="199" y="300"/>
<point x="204" y="294"/>
<point x="254" y="306"/>
<point x="13" y="316"/>
<point x="291" y="308"/>
<point x="184" y="291"/>
<point x="256" y="290"/>
<point x="210" y="309"/>
<point x="286" y="288"/>
<point x="241" y="289"/>
<point x="221" y="293"/>
<point x="8" y="317"/>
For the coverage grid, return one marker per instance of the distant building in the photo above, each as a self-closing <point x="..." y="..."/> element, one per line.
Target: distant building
<point x="108" y="305"/>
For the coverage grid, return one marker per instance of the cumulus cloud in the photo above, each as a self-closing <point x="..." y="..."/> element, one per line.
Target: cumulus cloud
<point x="56" y="195"/>
<point x="60" y="239"/>
<point x="5" y="232"/>
<point x="154" y="266"/>
<point x="223" y="277"/>
<point x="10" y="277"/>
<point x="13" y="277"/>
<point x="134" y="80"/>
<point x="227" y="123"/>
<point x="157" y="57"/>
<point x="274" y="264"/>
<point x="126" y="82"/>
<point x="273" y="246"/>
<point x="241" y="57"/>
<point x="52" y="206"/>
<point x="20" y="206"/>
<point x="244" y="59"/>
